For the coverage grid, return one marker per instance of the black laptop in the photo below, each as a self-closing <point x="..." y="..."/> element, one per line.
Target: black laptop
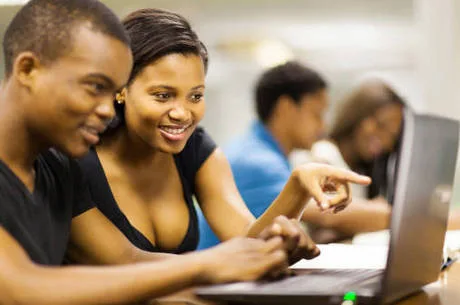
<point x="424" y="178"/>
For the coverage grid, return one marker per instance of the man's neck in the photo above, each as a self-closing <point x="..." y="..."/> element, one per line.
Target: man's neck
<point x="281" y="136"/>
<point x="19" y="148"/>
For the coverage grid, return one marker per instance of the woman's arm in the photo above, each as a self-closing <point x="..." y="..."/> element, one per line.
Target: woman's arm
<point x="97" y="241"/>
<point x="228" y="215"/>
<point x="24" y="282"/>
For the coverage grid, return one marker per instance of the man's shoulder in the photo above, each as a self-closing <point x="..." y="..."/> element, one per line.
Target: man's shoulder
<point x="54" y="159"/>
<point x="249" y="147"/>
<point x="250" y="158"/>
<point x="55" y="163"/>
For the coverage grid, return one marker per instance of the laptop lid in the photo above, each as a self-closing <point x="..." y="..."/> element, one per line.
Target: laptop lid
<point x="424" y="179"/>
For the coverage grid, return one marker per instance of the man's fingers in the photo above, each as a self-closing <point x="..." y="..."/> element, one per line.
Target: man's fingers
<point x="307" y="242"/>
<point x="273" y="263"/>
<point x="277" y="262"/>
<point x="273" y="244"/>
<point x="306" y="247"/>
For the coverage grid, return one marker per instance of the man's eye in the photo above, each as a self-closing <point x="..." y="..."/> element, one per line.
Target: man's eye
<point x="96" y="88"/>
<point x="162" y="96"/>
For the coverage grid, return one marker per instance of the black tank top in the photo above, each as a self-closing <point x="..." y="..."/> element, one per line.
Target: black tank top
<point x="198" y="148"/>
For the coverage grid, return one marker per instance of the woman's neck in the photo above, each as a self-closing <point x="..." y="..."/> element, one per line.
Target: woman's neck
<point x="347" y="149"/>
<point x="129" y="149"/>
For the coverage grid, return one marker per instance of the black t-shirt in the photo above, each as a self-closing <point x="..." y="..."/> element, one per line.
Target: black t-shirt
<point x="40" y="221"/>
<point x="198" y="148"/>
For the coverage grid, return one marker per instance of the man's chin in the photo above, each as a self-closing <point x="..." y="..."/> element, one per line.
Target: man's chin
<point x="76" y="151"/>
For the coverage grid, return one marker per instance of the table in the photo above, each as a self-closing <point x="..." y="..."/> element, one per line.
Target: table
<point x="446" y="291"/>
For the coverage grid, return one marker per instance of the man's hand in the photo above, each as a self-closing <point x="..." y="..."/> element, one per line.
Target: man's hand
<point x="297" y="243"/>
<point x="242" y="259"/>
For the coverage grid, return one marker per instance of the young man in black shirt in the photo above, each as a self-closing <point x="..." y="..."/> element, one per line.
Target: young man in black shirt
<point x="64" y="62"/>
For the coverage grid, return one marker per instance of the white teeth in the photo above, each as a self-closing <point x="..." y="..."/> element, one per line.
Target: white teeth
<point x="90" y="130"/>
<point x="174" y="130"/>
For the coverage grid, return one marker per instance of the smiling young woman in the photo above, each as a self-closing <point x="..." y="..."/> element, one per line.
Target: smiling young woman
<point x="155" y="157"/>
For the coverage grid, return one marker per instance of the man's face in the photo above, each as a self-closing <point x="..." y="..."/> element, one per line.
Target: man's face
<point x="308" y="121"/>
<point x="71" y="99"/>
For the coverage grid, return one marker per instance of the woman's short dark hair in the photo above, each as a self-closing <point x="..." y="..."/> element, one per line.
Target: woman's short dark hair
<point x="155" y="33"/>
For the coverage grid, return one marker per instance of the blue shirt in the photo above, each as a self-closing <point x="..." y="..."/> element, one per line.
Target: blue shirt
<point x="261" y="170"/>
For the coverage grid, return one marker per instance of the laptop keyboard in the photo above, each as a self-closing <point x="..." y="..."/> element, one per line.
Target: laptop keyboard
<point x="325" y="280"/>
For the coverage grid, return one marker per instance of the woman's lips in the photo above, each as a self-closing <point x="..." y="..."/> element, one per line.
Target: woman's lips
<point x="174" y="132"/>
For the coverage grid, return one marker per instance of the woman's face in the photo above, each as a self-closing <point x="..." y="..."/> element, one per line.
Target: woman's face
<point x="165" y="102"/>
<point x="378" y="133"/>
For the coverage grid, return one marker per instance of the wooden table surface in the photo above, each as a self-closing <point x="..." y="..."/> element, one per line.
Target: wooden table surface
<point x="446" y="291"/>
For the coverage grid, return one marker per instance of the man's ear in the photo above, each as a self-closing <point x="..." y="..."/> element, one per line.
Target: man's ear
<point x="285" y="104"/>
<point x="25" y="68"/>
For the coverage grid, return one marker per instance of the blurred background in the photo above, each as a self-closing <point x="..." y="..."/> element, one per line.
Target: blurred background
<point x="412" y="44"/>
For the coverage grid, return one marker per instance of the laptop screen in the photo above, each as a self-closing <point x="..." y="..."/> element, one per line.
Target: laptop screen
<point x="425" y="174"/>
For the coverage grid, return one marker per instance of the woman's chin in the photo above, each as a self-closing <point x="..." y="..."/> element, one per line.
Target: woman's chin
<point x="173" y="148"/>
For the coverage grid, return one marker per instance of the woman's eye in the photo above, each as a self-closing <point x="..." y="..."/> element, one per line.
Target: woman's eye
<point x="197" y="97"/>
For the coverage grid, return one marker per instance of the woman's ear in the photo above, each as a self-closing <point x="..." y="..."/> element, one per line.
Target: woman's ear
<point x="121" y="96"/>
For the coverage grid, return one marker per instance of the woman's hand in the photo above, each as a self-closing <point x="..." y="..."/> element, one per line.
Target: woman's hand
<point x="297" y="243"/>
<point x="328" y="185"/>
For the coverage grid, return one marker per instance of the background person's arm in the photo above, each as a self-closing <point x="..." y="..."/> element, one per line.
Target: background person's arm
<point x="24" y="282"/>
<point x="360" y="216"/>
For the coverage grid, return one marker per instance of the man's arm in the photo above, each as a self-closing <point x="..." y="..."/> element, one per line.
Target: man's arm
<point x="24" y="282"/>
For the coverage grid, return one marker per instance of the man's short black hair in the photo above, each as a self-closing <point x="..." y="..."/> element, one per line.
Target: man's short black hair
<point x="45" y="27"/>
<point x="292" y="79"/>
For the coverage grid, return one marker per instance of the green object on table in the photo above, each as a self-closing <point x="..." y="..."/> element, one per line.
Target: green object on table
<point x="349" y="296"/>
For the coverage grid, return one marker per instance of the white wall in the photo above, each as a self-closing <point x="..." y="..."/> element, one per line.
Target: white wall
<point x="438" y="57"/>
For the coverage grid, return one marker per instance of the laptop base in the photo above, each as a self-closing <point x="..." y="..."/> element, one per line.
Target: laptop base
<point x="307" y="287"/>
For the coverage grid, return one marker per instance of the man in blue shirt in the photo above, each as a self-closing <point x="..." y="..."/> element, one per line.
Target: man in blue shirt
<point x="290" y="102"/>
